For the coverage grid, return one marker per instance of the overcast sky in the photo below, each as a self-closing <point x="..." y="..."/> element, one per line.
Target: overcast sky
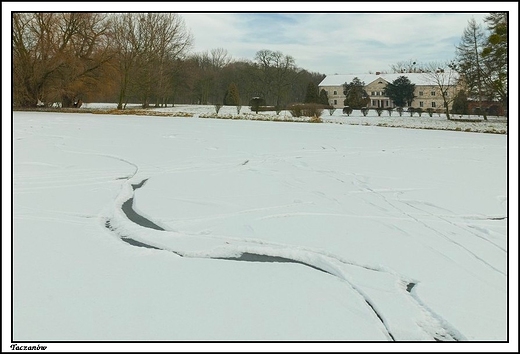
<point x="324" y="37"/>
<point x="329" y="43"/>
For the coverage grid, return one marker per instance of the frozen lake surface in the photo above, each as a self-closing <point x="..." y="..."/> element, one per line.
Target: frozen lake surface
<point x="264" y="231"/>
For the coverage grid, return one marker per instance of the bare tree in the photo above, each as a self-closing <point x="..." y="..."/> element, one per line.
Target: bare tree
<point x="57" y="56"/>
<point x="219" y="58"/>
<point x="444" y="76"/>
<point x="276" y="72"/>
<point x="148" y="44"/>
<point x="409" y="66"/>
<point x="125" y="38"/>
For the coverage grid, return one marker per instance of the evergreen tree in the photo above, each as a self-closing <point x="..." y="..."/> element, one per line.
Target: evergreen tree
<point x="460" y="103"/>
<point x="324" y="98"/>
<point x="469" y="59"/>
<point x="311" y="96"/>
<point x="356" y="96"/>
<point x="232" y="97"/>
<point x="495" y="57"/>
<point x="401" y="91"/>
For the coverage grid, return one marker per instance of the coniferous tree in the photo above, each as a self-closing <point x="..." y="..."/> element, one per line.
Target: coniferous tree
<point x="469" y="60"/>
<point x="401" y="91"/>
<point x="232" y="97"/>
<point x="324" y="98"/>
<point x="356" y="96"/>
<point x="495" y="57"/>
<point x="460" y="103"/>
<point x="311" y="96"/>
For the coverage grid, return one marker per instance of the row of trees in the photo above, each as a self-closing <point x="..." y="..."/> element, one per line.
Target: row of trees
<point x="139" y="57"/>
<point x="146" y="58"/>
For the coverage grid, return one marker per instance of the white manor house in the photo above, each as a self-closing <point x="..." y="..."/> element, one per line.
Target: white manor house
<point x="427" y="92"/>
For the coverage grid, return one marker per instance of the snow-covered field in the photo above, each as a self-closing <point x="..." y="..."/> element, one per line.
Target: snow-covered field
<point x="133" y="228"/>
<point x="466" y="123"/>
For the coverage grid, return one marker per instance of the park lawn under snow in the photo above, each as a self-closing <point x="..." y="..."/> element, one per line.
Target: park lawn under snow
<point x="466" y="123"/>
<point x="359" y="233"/>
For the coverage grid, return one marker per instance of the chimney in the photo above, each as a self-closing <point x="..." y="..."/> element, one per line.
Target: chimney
<point x="378" y="72"/>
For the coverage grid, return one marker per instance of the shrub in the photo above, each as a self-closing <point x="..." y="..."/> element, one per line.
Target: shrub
<point x="419" y="111"/>
<point x="218" y="106"/>
<point x="379" y="111"/>
<point x="331" y="110"/>
<point x="347" y="110"/>
<point x="411" y="110"/>
<point x="365" y="110"/>
<point x="390" y="110"/>
<point x="306" y="110"/>
<point x="430" y="111"/>
<point x="400" y="111"/>
<point x="239" y="107"/>
<point x="296" y="110"/>
<point x="316" y="119"/>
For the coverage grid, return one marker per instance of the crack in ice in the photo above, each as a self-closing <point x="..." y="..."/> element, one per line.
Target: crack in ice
<point x="277" y="253"/>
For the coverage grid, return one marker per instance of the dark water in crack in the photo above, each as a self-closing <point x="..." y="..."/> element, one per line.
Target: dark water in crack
<point x="127" y="208"/>
<point x="254" y="257"/>
<point x="133" y="216"/>
<point x="136" y="218"/>
<point x="410" y="286"/>
<point x="137" y="243"/>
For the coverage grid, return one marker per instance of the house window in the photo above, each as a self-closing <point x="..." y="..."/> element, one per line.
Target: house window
<point x="335" y="101"/>
<point x="373" y="102"/>
<point x="386" y="103"/>
<point x="381" y="93"/>
<point x="372" y="93"/>
<point x="335" y="92"/>
<point x="421" y="104"/>
<point x="433" y="93"/>
<point x="420" y="93"/>
<point x="433" y="104"/>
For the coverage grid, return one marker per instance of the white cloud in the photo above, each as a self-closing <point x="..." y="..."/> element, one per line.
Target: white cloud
<point x="212" y="30"/>
<point x="334" y="42"/>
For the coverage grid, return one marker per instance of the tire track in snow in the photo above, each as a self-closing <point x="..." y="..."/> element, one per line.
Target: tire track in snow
<point x="433" y="229"/>
<point x="103" y="155"/>
<point x="458" y="226"/>
<point x="326" y="265"/>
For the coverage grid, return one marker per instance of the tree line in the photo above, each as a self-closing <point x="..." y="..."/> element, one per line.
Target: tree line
<point x="146" y="58"/>
<point x="66" y="58"/>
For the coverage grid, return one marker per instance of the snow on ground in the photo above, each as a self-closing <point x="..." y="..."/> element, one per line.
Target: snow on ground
<point x="467" y="123"/>
<point x="255" y="231"/>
